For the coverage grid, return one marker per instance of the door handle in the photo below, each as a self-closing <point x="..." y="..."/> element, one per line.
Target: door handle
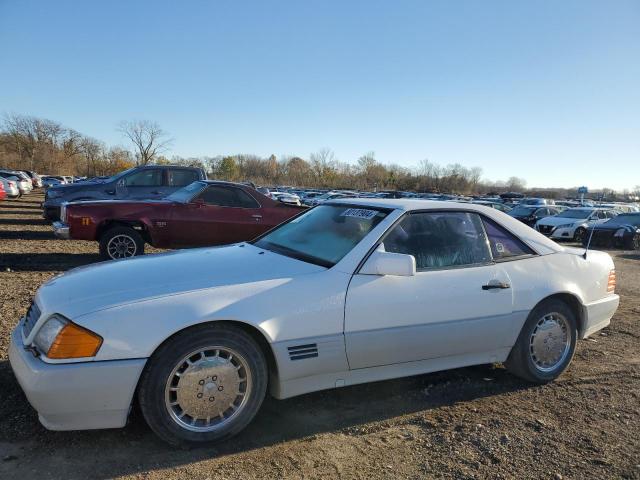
<point x="497" y="285"/>
<point x="257" y="217"/>
<point x="157" y="192"/>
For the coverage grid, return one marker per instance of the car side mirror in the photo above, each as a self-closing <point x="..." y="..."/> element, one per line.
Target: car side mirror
<point x="386" y="263"/>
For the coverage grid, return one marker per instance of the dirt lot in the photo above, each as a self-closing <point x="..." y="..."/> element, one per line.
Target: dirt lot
<point x="469" y="423"/>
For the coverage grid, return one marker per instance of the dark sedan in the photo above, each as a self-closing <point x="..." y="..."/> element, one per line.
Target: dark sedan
<point x="530" y="214"/>
<point x="622" y="231"/>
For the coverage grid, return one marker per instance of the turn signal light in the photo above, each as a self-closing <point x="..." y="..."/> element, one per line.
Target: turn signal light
<point x="74" y="341"/>
<point x="611" y="284"/>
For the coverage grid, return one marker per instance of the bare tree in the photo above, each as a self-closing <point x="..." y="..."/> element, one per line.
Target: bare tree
<point x="147" y="137"/>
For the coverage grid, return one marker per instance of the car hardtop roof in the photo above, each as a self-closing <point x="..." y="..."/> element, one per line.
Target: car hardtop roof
<point x="533" y="238"/>
<point x="408" y="204"/>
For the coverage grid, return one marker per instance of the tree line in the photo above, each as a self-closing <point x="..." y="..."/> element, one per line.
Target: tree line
<point x="48" y="147"/>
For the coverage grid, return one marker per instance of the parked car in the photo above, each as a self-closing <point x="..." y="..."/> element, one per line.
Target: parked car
<point x="572" y="224"/>
<point x="537" y="201"/>
<point x="50" y="181"/>
<point x="622" y="231"/>
<point x="197" y="336"/>
<point x="288" y="198"/>
<point x="24" y="182"/>
<point x="138" y="183"/>
<point x="317" y="200"/>
<point x="3" y="193"/>
<point x="203" y="213"/>
<point x="36" y="181"/>
<point x="10" y="185"/>
<point x="531" y="214"/>
<point x="497" y="205"/>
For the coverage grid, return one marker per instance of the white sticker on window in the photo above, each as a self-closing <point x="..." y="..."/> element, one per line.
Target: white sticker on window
<point x="499" y="247"/>
<point x="359" y="213"/>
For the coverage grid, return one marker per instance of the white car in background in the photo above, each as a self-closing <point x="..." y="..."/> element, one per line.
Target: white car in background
<point x="572" y="224"/>
<point x="352" y="291"/>
<point x="288" y="198"/>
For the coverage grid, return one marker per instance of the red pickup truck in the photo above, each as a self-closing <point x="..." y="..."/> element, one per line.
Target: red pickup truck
<point x="201" y="214"/>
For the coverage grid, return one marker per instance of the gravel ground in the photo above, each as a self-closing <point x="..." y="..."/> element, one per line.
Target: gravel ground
<point x="475" y="422"/>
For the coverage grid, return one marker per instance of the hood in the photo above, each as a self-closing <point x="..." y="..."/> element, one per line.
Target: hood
<point x="118" y="202"/>
<point x="555" y="221"/>
<point x="108" y="284"/>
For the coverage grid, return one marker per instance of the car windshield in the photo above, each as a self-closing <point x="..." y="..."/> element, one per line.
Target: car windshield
<point x="522" y="211"/>
<point x="323" y="235"/>
<point x="120" y="175"/>
<point x="576" y="213"/>
<point x="186" y="193"/>
<point x="625" y="219"/>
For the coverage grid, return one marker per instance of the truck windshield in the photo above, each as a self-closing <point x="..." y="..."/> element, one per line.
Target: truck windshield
<point x="186" y="193"/>
<point x="323" y="235"/>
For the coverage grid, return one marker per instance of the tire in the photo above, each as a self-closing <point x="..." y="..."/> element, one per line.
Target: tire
<point x="634" y="242"/>
<point x="578" y="235"/>
<point x="121" y="242"/>
<point x="528" y="355"/>
<point x="160" y="376"/>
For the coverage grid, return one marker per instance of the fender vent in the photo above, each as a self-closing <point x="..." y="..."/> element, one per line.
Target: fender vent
<point x="300" y="352"/>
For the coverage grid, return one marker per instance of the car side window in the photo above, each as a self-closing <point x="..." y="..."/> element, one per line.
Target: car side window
<point x="504" y="245"/>
<point x="440" y="239"/>
<point x="228" y="197"/>
<point x="149" y="177"/>
<point x="182" y="178"/>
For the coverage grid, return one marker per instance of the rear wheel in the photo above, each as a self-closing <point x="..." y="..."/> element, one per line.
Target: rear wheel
<point x="204" y="385"/>
<point x="121" y="242"/>
<point x="546" y="343"/>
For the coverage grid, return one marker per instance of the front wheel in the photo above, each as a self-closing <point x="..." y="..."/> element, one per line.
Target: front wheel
<point x="204" y="385"/>
<point x="546" y="343"/>
<point x="579" y="234"/>
<point x="121" y="242"/>
<point x="634" y="242"/>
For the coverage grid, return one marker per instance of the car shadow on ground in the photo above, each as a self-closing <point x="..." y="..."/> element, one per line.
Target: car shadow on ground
<point x="45" y="262"/>
<point x="15" y="211"/>
<point x="136" y="449"/>
<point x="630" y="256"/>
<point x="19" y="206"/>
<point x="22" y="221"/>
<point x="26" y="235"/>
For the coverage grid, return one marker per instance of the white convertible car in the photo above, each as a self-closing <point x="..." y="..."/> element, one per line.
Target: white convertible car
<point x="348" y="292"/>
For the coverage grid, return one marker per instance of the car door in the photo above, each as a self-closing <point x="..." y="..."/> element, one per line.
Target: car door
<point x="144" y="184"/>
<point x="458" y="303"/>
<point x="216" y="216"/>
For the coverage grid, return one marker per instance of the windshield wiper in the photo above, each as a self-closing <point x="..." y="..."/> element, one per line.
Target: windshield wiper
<point x="290" y="252"/>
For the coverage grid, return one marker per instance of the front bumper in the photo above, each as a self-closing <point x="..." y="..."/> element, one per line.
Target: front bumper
<point x="75" y="396"/>
<point x="61" y="230"/>
<point x="598" y="314"/>
<point x="563" y="233"/>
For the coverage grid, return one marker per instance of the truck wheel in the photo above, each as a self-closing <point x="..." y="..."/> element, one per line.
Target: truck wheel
<point x="203" y="385"/>
<point x="546" y="343"/>
<point x="121" y="242"/>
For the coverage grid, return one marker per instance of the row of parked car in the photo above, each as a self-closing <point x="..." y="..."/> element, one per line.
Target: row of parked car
<point x="15" y="183"/>
<point x="172" y="206"/>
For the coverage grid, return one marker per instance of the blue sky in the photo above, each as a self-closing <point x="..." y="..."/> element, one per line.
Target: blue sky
<point x="545" y="90"/>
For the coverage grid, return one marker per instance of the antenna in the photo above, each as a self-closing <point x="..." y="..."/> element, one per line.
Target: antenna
<point x="593" y="228"/>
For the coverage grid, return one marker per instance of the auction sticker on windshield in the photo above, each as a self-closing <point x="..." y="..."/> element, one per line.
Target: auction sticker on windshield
<point x="359" y="213"/>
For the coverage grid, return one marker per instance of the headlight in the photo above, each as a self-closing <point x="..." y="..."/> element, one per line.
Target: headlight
<point x="59" y="338"/>
<point x="566" y="225"/>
